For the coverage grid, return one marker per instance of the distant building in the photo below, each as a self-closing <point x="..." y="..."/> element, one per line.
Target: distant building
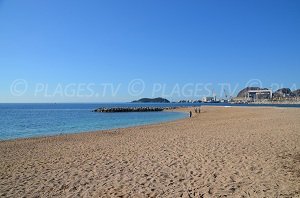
<point x="208" y="99"/>
<point x="254" y="95"/>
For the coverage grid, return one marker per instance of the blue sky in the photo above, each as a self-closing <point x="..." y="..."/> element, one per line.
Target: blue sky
<point x="55" y="43"/>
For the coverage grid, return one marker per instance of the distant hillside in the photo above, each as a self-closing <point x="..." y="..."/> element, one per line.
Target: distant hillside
<point x="283" y="92"/>
<point x="280" y="93"/>
<point x="286" y="93"/>
<point x="152" y="100"/>
<point x="297" y="93"/>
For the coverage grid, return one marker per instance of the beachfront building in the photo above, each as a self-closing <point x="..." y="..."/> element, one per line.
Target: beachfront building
<point x="254" y="95"/>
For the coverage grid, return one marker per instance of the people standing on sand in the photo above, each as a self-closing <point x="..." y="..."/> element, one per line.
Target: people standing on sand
<point x="191" y="114"/>
<point x="197" y="110"/>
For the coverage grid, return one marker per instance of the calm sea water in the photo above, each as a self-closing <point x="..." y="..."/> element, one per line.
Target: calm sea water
<point x="32" y="120"/>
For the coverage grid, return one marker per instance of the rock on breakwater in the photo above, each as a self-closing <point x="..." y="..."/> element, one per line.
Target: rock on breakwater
<point x="131" y="109"/>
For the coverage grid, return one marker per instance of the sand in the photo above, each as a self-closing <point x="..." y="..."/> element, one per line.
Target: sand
<point x="223" y="152"/>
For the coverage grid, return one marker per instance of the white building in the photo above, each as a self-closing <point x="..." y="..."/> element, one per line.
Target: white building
<point x="208" y="99"/>
<point x="259" y="94"/>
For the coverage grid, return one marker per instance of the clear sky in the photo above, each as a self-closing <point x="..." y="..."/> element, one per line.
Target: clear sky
<point x="51" y="44"/>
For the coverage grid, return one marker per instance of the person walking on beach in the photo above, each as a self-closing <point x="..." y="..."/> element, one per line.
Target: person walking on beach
<point x="191" y="114"/>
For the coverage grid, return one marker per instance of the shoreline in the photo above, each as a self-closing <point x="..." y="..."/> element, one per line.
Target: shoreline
<point x="112" y="130"/>
<point x="251" y="152"/>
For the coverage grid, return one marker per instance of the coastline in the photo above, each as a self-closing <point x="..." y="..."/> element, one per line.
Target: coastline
<point x="61" y="121"/>
<point x="117" y="130"/>
<point x="279" y="102"/>
<point x="222" y="151"/>
<point x="106" y="131"/>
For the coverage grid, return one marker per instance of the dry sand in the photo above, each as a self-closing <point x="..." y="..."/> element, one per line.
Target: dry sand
<point x="233" y="152"/>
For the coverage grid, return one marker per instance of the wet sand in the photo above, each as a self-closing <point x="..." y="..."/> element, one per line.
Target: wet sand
<point x="233" y="152"/>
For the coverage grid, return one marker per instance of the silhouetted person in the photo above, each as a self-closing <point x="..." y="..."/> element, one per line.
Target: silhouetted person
<point x="191" y="114"/>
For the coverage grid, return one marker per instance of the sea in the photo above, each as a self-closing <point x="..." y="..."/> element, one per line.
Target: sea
<point x="24" y="120"/>
<point x="34" y="120"/>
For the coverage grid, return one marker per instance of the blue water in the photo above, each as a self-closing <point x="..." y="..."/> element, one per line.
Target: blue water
<point x="32" y="120"/>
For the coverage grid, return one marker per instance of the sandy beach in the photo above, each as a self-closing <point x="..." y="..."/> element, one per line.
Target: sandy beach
<point x="222" y="152"/>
